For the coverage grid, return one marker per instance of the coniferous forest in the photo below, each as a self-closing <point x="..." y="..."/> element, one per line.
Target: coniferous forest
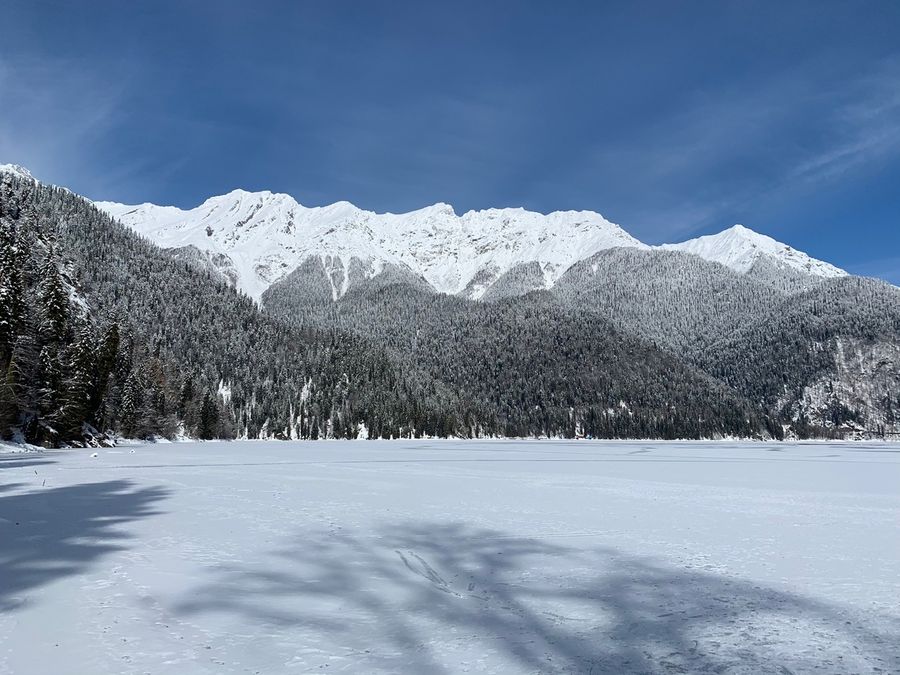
<point x="102" y="333"/>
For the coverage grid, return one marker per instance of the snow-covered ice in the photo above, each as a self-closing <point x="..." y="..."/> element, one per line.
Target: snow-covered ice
<point x="449" y="557"/>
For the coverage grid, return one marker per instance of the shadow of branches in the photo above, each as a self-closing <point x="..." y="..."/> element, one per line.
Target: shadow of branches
<point x="49" y="533"/>
<point x="436" y="597"/>
<point x="20" y="460"/>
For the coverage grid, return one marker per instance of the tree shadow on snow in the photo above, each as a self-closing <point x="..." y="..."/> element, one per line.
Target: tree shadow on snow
<point x="414" y="597"/>
<point x="49" y="533"/>
<point x="23" y="460"/>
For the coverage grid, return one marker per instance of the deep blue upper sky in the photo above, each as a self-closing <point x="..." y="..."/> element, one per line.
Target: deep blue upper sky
<point x="672" y="119"/>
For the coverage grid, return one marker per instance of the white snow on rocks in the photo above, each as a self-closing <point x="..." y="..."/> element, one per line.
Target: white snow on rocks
<point x="268" y="235"/>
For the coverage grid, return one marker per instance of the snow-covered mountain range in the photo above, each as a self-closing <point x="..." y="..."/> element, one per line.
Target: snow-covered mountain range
<point x="265" y="236"/>
<point x="729" y="334"/>
<point x="256" y="239"/>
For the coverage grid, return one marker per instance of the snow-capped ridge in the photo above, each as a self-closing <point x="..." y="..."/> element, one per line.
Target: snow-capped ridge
<point x="257" y="238"/>
<point x="267" y="235"/>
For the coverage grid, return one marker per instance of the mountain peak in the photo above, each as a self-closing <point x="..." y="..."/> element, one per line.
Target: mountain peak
<point x="438" y="209"/>
<point x="742" y="230"/>
<point x="740" y="248"/>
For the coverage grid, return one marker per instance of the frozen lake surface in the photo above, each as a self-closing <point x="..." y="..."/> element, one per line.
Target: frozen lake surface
<point x="450" y="557"/>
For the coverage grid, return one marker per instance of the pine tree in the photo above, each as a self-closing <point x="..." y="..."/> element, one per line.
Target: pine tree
<point x="186" y="395"/>
<point x="79" y="386"/>
<point x="132" y="401"/>
<point x="106" y="357"/>
<point x="209" y="418"/>
<point x="48" y="397"/>
<point x="9" y="405"/>
<point x="54" y="301"/>
<point x="12" y="301"/>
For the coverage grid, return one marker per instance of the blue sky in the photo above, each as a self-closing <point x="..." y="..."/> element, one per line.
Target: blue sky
<point x="672" y="119"/>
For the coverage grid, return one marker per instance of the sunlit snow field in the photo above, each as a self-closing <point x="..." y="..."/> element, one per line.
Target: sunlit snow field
<point x="431" y="557"/>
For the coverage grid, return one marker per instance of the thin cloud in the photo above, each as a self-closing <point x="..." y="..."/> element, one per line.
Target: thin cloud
<point x="865" y="128"/>
<point x="733" y="150"/>
<point x="56" y="118"/>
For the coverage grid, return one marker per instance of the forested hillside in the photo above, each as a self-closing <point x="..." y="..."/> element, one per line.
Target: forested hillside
<point x="103" y="330"/>
<point x="779" y="361"/>
<point x="721" y="352"/>
<point x="104" y="333"/>
<point x="535" y="367"/>
<point x="679" y="301"/>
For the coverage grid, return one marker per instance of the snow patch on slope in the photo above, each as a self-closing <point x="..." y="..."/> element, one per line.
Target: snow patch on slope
<point x="740" y="248"/>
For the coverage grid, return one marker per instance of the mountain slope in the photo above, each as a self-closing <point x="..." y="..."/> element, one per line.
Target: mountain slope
<point x="268" y="378"/>
<point x="261" y="237"/>
<point x="678" y="300"/>
<point x="530" y="364"/>
<point x="824" y="359"/>
<point x="813" y="361"/>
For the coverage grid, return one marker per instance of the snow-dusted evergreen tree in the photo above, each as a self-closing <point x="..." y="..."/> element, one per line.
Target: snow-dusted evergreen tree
<point x="80" y="382"/>
<point x="129" y="417"/>
<point x="12" y="290"/>
<point x="53" y="299"/>
<point x="208" y="425"/>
